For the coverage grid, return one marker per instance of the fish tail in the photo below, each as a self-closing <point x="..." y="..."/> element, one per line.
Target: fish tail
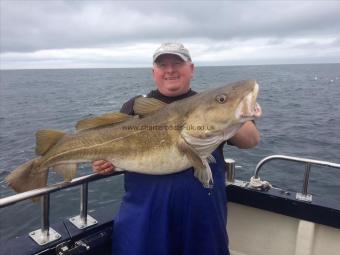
<point x="28" y="176"/>
<point x="31" y="175"/>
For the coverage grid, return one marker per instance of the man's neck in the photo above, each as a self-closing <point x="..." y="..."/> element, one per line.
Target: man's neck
<point x="167" y="99"/>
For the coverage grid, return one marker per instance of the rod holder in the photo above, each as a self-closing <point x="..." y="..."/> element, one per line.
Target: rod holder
<point x="230" y="168"/>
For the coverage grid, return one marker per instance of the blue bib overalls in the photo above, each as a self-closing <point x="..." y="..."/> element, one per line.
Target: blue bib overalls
<point x="172" y="214"/>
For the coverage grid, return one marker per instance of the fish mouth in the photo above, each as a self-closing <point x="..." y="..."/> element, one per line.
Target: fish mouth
<point x="249" y="109"/>
<point x="254" y="113"/>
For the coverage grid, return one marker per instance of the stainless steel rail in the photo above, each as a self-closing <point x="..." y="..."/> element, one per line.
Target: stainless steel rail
<point x="53" y="188"/>
<point x="46" y="234"/>
<point x="304" y="196"/>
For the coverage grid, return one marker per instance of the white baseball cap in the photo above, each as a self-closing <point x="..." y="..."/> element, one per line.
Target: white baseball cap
<point x="172" y="48"/>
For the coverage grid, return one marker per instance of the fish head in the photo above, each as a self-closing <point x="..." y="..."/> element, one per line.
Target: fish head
<point x="222" y="108"/>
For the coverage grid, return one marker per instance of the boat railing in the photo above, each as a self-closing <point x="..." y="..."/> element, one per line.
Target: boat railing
<point x="46" y="234"/>
<point x="303" y="195"/>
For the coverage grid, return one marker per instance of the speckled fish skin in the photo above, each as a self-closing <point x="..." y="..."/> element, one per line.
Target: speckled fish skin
<point x="168" y="140"/>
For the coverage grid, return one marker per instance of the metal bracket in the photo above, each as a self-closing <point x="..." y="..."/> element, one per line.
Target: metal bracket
<point x="44" y="237"/>
<point x="82" y="223"/>
<point x="238" y="183"/>
<point x="304" y="197"/>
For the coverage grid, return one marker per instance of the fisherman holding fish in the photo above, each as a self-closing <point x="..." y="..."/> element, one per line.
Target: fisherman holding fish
<point x="172" y="155"/>
<point x="174" y="213"/>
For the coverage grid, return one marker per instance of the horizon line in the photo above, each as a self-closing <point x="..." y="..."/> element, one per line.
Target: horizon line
<point x="144" y="67"/>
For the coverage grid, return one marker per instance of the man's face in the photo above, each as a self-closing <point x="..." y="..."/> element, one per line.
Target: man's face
<point x="172" y="75"/>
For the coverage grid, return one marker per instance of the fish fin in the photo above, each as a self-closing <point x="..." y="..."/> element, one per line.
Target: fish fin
<point x="201" y="167"/>
<point x="67" y="171"/>
<point x="191" y="154"/>
<point x="144" y="105"/>
<point x="211" y="159"/>
<point x="45" y="139"/>
<point x="204" y="175"/>
<point x="203" y="144"/>
<point x="27" y="176"/>
<point x="103" y="120"/>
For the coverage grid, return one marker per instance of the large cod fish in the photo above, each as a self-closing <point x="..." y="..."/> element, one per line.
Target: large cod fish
<point x="161" y="139"/>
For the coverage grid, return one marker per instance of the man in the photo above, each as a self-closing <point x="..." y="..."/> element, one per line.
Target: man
<point x="174" y="214"/>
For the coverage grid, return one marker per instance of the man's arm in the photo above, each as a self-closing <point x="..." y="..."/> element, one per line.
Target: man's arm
<point x="247" y="137"/>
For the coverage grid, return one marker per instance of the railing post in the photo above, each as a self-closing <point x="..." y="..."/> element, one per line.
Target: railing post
<point x="306" y="179"/>
<point x="304" y="196"/>
<point x="45" y="214"/>
<point x="83" y="202"/>
<point x="83" y="220"/>
<point x="45" y="234"/>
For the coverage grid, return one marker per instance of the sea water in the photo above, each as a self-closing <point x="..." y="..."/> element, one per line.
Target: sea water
<point x="301" y="117"/>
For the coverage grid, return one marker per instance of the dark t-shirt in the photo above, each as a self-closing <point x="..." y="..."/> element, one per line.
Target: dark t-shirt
<point x="128" y="106"/>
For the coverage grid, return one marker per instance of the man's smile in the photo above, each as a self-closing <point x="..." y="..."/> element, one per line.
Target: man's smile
<point x="172" y="78"/>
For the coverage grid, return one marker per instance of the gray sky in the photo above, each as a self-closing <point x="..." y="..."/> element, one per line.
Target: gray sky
<point x="79" y="34"/>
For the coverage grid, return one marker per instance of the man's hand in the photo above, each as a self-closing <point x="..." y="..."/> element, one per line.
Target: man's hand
<point x="247" y="137"/>
<point x="103" y="167"/>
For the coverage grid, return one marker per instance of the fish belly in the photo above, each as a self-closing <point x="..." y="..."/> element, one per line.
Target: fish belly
<point x="166" y="161"/>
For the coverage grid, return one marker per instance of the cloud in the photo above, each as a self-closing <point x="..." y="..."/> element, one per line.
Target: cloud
<point x="106" y="31"/>
<point x="138" y="55"/>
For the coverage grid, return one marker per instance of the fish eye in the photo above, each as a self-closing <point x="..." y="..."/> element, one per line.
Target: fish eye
<point x="221" y="98"/>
